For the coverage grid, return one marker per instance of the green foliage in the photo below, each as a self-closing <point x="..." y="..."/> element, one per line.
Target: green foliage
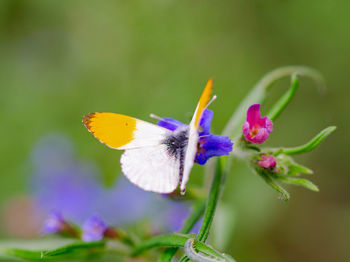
<point x="309" y="146"/>
<point x="194" y="246"/>
<point x="57" y="251"/>
<point x="282" y="103"/>
<point x="259" y="93"/>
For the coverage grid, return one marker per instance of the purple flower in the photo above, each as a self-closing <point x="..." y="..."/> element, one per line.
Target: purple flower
<point x="255" y="128"/>
<point x="209" y="145"/>
<point x="62" y="182"/>
<point x="267" y="162"/>
<point x="94" y="229"/>
<point x="55" y="223"/>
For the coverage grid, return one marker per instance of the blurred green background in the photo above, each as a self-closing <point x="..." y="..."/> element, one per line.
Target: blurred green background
<point x="62" y="59"/>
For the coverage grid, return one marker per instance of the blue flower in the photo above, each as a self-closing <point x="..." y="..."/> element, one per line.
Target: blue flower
<point x="209" y="145"/>
<point x="63" y="183"/>
<point x="94" y="229"/>
<point x="55" y="223"/>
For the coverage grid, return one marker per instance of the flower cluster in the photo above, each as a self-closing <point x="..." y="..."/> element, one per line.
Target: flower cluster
<point x="93" y="229"/>
<point x="275" y="165"/>
<point x="65" y="187"/>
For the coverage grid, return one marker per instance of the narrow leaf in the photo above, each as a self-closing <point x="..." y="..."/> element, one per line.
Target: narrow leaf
<point x="299" y="181"/>
<point x="171" y="240"/>
<point x="204" y="252"/>
<point x="278" y="188"/>
<point x="74" y="250"/>
<point x="295" y="169"/>
<point x="258" y="94"/>
<point x="312" y="144"/>
<point x="282" y="103"/>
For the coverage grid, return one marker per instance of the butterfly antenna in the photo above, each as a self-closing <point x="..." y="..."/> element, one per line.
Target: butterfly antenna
<point x="156" y="117"/>
<point x="211" y="101"/>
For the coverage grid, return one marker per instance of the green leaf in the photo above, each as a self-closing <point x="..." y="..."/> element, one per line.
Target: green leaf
<point x="299" y="181"/>
<point x="282" y="103"/>
<point x="171" y="240"/>
<point x="295" y="169"/>
<point x="197" y="251"/>
<point x="176" y="240"/>
<point x="258" y="95"/>
<point x="72" y="250"/>
<point x="268" y="179"/>
<point x="312" y="144"/>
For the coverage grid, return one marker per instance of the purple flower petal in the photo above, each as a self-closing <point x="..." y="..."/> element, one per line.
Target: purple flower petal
<point x="213" y="145"/>
<point x="253" y="114"/>
<point x="54" y="223"/>
<point x="170" y="123"/>
<point x="93" y="229"/>
<point x="205" y="122"/>
<point x="256" y="129"/>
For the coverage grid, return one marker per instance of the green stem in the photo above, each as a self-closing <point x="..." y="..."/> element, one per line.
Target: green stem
<point x="285" y="99"/>
<point x="211" y="205"/>
<point x="212" y="202"/>
<point x="278" y="188"/>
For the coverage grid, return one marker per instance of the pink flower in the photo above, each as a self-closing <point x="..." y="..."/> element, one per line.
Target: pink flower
<point x="267" y="162"/>
<point x="256" y="129"/>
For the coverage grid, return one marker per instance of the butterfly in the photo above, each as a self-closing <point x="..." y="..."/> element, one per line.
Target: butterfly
<point x="155" y="159"/>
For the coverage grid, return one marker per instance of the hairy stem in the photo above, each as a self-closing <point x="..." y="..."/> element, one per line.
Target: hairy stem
<point x="213" y="198"/>
<point x="212" y="202"/>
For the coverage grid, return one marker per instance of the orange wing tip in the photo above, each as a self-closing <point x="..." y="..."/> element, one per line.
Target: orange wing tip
<point x="204" y="100"/>
<point x="209" y="83"/>
<point x="87" y="119"/>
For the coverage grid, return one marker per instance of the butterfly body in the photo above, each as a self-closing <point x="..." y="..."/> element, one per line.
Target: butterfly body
<point x="155" y="158"/>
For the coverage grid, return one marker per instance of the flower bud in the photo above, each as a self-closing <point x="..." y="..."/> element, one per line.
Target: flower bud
<point x="267" y="161"/>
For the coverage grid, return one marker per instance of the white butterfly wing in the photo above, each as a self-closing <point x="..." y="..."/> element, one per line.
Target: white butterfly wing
<point x="151" y="168"/>
<point x="193" y="136"/>
<point x="189" y="157"/>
